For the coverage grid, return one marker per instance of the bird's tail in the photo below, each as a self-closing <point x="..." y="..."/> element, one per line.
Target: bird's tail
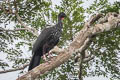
<point x="35" y="61"/>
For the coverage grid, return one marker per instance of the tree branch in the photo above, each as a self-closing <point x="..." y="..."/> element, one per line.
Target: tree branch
<point x="80" y="42"/>
<point x="94" y="18"/>
<point x="88" y="59"/>
<point x="30" y="29"/>
<point x="17" y="29"/>
<point x="11" y="70"/>
<point x="9" y="11"/>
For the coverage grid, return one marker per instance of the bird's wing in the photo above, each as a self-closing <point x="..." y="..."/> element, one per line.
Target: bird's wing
<point x="42" y="38"/>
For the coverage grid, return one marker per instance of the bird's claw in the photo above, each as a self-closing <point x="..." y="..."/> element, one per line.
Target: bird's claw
<point x="44" y="58"/>
<point x="49" y="54"/>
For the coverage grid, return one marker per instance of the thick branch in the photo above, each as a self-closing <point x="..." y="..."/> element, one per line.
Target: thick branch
<point x="80" y="42"/>
<point x="94" y="18"/>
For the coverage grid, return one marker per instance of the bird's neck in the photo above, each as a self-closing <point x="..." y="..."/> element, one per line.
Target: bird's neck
<point x="59" y="24"/>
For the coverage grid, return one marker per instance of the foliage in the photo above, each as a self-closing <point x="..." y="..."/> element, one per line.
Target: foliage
<point x="39" y="13"/>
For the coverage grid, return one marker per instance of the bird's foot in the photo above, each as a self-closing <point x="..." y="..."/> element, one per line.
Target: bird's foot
<point x="44" y="58"/>
<point x="49" y="54"/>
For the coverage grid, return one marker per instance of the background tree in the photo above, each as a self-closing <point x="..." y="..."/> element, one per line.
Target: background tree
<point x="20" y="19"/>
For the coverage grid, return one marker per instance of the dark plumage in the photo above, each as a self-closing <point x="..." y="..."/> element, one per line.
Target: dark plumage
<point x="48" y="38"/>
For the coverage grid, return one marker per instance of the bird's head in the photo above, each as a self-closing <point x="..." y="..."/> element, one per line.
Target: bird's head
<point x="61" y="15"/>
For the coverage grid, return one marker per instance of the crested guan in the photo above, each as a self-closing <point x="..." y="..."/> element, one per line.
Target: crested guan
<point x="48" y="38"/>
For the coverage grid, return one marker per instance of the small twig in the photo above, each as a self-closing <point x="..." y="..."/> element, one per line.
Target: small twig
<point x="87" y="59"/>
<point x="18" y="29"/>
<point x="11" y="70"/>
<point x="87" y="54"/>
<point x="9" y="11"/>
<point x="32" y="30"/>
<point x="80" y="60"/>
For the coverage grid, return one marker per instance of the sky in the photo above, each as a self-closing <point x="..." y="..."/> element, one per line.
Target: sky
<point x="14" y="75"/>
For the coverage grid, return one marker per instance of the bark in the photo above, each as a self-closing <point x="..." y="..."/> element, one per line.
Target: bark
<point x="81" y="42"/>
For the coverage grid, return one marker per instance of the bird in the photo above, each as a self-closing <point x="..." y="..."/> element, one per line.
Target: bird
<point x="47" y="40"/>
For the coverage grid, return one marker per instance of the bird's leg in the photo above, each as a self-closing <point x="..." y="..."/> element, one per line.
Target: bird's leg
<point x="44" y="52"/>
<point x="44" y="57"/>
<point x="49" y="54"/>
